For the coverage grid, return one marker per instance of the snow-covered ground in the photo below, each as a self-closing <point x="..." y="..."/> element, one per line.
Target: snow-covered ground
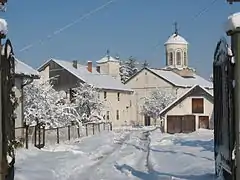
<point x="140" y="154"/>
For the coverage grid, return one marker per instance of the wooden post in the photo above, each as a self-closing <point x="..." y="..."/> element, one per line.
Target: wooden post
<point x="78" y="131"/>
<point x="98" y="127"/>
<point x="57" y="135"/>
<point x="110" y="126"/>
<point x="86" y="130"/>
<point x="39" y="136"/>
<point x="26" y="136"/>
<point x="69" y="135"/>
<point x="93" y="128"/>
<point x="35" y="136"/>
<point x="44" y="136"/>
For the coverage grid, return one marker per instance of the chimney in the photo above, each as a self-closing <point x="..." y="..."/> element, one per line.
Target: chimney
<point x="89" y="66"/>
<point x="75" y="64"/>
<point x="98" y="69"/>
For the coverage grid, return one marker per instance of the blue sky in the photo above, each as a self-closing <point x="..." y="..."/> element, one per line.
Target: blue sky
<point x="126" y="27"/>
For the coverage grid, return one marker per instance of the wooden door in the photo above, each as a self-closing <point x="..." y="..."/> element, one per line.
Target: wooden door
<point x="188" y="123"/>
<point x="174" y="124"/>
<point x="203" y="122"/>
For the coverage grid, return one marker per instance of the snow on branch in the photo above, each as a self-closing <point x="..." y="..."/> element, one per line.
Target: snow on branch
<point x="85" y="97"/>
<point x="158" y="100"/>
<point x="45" y="105"/>
<point x="3" y="26"/>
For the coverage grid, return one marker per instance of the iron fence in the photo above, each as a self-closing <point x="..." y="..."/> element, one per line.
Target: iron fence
<point x="39" y="136"/>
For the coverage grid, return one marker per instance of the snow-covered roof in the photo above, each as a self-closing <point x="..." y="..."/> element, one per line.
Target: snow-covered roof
<point x="176" y="39"/>
<point x="25" y="70"/>
<point x="178" y="80"/>
<point x="96" y="79"/>
<point x="107" y="59"/>
<point x="183" y="96"/>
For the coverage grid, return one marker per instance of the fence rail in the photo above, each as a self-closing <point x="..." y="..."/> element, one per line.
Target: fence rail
<point x="39" y="136"/>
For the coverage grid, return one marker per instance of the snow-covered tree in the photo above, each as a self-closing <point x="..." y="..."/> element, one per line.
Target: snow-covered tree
<point x="128" y="68"/>
<point x="45" y="105"/>
<point x="156" y="102"/>
<point x="145" y="64"/>
<point x="211" y="78"/>
<point x="85" y="97"/>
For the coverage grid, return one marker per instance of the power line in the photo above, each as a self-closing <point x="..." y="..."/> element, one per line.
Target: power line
<point x="204" y="10"/>
<point x="199" y="13"/>
<point x="68" y="25"/>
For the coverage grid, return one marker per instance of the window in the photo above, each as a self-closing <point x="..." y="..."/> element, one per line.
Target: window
<point x="179" y="58"/>
<point x="185" y="58"/>
<point x="197" y="105"/>
<point x="145" y="73"/>
<point x="117" y="115"/>
<point x="108" y="114"/>
<point x="118" y="96"/>
<point x="105" y="95"/>
<point x="170" y="58"/>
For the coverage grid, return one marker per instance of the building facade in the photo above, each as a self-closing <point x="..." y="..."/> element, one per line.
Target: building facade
<point x="115" y="96"/>
<point x="176" y="77"/>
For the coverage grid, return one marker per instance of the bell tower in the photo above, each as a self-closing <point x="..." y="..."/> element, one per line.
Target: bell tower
<point x="176" y="48"/>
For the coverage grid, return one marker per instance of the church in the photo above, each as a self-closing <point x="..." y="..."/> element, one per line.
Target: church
<point x="194" y="104"/>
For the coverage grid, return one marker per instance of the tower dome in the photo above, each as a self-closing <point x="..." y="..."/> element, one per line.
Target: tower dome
<point x="176" y="39"/>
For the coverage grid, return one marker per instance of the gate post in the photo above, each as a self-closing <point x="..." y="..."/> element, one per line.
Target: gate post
<point x="233" y="30"/>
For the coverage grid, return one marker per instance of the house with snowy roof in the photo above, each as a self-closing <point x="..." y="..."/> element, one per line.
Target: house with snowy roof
<point x="178" y="78"/>
<point x="24" y="74"/>
<point x="116" y="96"/>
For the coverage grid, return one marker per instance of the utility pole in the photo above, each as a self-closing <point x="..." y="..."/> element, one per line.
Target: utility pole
<point x="233" y="30"/>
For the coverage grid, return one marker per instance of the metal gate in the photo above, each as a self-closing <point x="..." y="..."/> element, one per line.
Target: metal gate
<point x="223" y="72"/>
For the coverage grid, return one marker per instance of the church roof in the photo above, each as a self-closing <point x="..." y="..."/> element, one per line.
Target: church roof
<point x="107" y="59"/>
<point x="176" y="39"/>
<point x="176" y="79"/>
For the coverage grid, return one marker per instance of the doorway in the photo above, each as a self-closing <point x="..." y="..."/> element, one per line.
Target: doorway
<point x="147" y="120"/>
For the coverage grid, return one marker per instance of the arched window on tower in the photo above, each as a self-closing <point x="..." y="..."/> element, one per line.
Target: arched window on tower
<point x="179" y="58"/>
<point x="170" y="58"/>
<point x="185" y="58"/>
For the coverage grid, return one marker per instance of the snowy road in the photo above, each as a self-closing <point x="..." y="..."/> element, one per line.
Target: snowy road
<point x="120" y="156"/>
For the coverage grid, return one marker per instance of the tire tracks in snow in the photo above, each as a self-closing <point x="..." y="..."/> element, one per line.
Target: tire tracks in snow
<point x="101" y="159"/>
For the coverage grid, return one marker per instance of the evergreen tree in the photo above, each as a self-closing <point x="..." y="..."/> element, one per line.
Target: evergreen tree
<point x="128" y="68"/>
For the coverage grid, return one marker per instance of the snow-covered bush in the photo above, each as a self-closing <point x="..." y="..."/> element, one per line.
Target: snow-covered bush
<point x="158" y="100"/>
<point x="86" y="101"/>
<point x="45" y="105"/>
<point x="128" y="68"/>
